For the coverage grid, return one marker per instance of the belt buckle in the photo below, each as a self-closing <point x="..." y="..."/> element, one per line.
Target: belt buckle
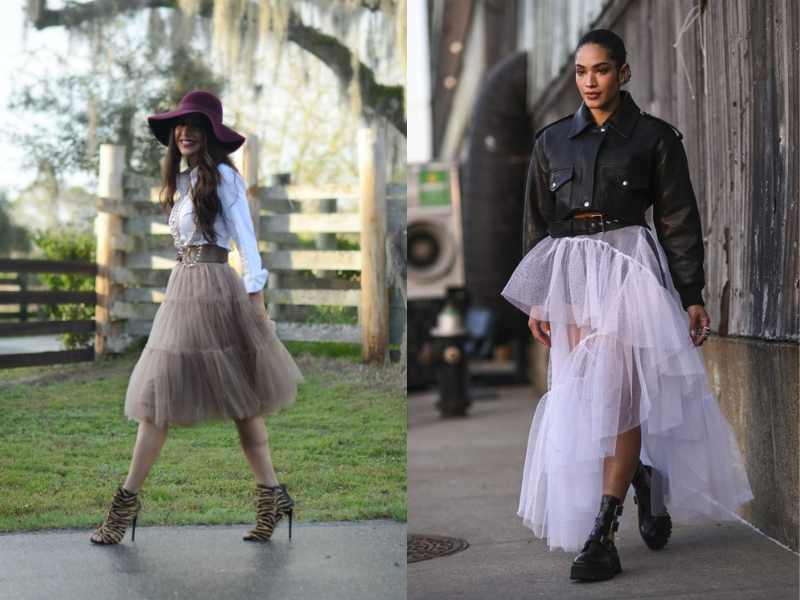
<point x="602" y="221"/>
<point x="591" y="218"/>
<point x="193" y="254"/>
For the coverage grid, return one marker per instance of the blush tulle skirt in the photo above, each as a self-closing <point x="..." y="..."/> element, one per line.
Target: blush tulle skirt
<point x="210" y="355"/>
<point x="620" y="357"/>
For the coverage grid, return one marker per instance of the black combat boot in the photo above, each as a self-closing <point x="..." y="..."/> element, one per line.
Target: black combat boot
<point x="599" y="558"/>
<point x="654" y="529"/>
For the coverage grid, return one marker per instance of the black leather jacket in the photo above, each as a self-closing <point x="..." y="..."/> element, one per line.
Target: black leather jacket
<point x="620" y="169"/>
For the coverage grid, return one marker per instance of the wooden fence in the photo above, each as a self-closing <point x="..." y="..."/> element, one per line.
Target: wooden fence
<point x="25" y="296"/>
<point x="19" y="281"/>
<point x="135" y="251"/>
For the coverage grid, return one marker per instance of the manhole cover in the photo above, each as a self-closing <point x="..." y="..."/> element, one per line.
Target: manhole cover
<point x="423" y="547"/>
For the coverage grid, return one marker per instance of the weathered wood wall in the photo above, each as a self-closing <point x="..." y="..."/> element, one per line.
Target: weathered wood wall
<point x="727" y="74"/>
<point x="551" y="29"/>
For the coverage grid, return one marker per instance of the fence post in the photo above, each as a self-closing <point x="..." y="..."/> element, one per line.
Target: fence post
<point x="23" y="287"/>
<point x="249" y="168"/>
<point x="107" y="226"/>
<point x="374" y="309"/>
<point x="247" y="162"/>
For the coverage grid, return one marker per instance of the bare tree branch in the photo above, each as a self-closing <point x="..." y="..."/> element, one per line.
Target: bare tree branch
<point x="377" y="100"/>
<point x="74" y="14"/>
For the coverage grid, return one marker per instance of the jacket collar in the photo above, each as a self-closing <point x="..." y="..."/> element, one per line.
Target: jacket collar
<point x="623" y="119"/>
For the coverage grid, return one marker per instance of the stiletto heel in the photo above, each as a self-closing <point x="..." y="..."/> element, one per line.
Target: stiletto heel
<point x="273" y="503"/>
<point x="124" y="511"/>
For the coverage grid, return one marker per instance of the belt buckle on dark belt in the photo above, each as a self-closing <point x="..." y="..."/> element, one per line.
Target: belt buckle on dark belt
<point x="592" y="217"/>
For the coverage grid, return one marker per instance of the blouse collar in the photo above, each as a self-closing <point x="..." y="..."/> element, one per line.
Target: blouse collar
<point x="184" y="170"/>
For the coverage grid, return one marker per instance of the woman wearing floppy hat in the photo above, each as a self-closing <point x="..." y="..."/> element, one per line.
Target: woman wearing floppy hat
<point x="212" y="352"/>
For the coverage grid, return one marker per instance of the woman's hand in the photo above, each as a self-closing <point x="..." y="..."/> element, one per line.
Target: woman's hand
<point x="257" y="298"/>
<point x="699" y="324"/>
<point x="540" y="330"/>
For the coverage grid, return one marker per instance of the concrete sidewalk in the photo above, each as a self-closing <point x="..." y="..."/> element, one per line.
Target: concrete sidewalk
<point x="464" y="477"/>
<point x="359" y="560"/>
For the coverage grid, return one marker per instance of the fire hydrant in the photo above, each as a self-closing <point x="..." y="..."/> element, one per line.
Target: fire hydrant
<point x="450" y="361"/>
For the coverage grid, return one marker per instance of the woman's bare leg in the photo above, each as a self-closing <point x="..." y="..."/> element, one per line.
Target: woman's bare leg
<point x="149" y="441"/>
<point x="618" y="470"/>
<point x="254" y="441"/>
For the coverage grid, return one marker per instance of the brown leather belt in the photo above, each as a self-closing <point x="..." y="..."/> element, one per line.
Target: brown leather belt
<point x="203" y="253"/>
<point x="587" y="223"/>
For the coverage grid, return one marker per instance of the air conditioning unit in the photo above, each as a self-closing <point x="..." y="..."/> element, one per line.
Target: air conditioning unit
<point x="435" y="253"/>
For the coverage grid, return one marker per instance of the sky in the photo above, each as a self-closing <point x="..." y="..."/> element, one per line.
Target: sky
<point x="10" y="46"/>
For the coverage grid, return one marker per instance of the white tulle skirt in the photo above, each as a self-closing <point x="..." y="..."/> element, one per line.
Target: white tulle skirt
<point x="620" y="357"/>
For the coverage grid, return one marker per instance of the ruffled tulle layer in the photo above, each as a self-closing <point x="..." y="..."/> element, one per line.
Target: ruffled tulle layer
<point x="620" y="357"/>
<point x="209" y="355"/>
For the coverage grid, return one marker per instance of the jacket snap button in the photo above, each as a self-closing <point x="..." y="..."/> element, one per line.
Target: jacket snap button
<point x="586" y="204"/>
<point x="625" y="182"/>
<point x="603" y="129"/>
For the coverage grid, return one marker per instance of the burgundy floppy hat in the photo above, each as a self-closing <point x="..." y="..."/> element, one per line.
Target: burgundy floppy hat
<point x="204" y="103"/>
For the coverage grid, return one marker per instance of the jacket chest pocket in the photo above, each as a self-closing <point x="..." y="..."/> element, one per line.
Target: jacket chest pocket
<point x="560" y="186"/>
<point x="626" y="180"/>
<point x="625" y="191"/>
<point x="559" y="178"/>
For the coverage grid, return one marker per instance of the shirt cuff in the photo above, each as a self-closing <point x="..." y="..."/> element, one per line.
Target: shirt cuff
<point x="255" y="282"/>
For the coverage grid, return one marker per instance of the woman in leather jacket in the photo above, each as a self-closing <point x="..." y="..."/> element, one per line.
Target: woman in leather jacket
<point x="628" y="398"/>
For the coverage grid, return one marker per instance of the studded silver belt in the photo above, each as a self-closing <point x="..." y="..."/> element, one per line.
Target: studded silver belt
<point x="189" y="255"/>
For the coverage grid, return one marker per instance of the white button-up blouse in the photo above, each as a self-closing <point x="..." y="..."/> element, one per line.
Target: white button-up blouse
<point x="232" y="222"/>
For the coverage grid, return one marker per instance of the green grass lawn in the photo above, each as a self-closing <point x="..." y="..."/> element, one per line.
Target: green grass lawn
<point x="65" y="445"/>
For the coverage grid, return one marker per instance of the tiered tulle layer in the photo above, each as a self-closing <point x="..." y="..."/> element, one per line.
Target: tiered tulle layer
<point x="210" y="354"/>
<point x="620" y="357"/>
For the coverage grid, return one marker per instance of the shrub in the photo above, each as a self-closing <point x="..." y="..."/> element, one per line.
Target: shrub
<point x="68" y="244"/>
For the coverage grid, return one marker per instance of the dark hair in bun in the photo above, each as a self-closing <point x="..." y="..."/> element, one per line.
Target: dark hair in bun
<point x="608" y="40"/>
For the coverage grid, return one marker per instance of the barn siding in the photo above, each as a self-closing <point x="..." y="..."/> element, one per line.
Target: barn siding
<point x="729" y="80"/>
<point x="730" y="83"/>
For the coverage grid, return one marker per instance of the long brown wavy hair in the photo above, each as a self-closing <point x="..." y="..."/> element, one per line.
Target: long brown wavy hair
<point x="205" y="199"/>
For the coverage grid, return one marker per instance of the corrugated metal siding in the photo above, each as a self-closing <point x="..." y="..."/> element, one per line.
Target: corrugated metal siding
<point x="730" y="83"/>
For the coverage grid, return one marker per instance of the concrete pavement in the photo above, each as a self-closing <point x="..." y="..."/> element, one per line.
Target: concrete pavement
<point x="359" y="560"/>
<point x="463" y="479"/>
<point x="31" y="343"/>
